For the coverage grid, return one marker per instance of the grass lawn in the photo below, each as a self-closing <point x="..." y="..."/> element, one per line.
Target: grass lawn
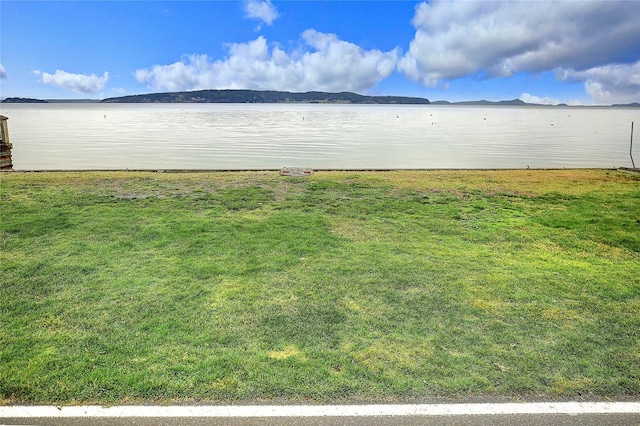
<point x="132" y="287"/>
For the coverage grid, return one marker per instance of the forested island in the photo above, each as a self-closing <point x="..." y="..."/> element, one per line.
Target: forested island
<point x="23" y="101"/>
<point x="264" y="97"/>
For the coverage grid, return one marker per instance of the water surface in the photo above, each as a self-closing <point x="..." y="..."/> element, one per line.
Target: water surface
<point x="270" y="136"/>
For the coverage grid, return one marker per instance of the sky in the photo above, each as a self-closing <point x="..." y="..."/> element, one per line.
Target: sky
<point x="579" y="52"/>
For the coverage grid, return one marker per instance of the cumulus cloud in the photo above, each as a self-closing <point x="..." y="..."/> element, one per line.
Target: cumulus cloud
<point x="499" y="39"/>
<point x="81" y="83"/>
<point x="533" y="99"/>
<point x="328" y="64"/>
<point x="262" y="10"/>
<point x="3" y="73"/>
<point x="607" y="84"/>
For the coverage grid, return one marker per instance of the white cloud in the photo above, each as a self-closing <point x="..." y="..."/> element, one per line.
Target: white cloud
<point x="3" y="73"/>
<point x="608" y="84"/>
<point x="501" y="38"/>
<point x="263" y="10"/>
<point x="81" y="83"/>
<point x="329" y="64"/>
<point x="533" y="99"/>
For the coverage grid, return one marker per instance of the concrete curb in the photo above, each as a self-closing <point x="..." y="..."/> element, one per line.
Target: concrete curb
<point x="283" y="411"/>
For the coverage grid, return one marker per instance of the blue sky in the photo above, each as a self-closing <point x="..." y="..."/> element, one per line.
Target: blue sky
<point x="570" y="51"/>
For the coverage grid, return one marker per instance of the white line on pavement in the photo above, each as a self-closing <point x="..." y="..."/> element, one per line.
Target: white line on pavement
<point x="321" y="410"/>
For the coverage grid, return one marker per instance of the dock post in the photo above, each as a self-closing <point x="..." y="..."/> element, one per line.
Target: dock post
<point x="631" y="147"/>
<point x="5" y="145"/>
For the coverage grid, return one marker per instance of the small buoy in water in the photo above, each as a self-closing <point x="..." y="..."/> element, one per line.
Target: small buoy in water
<point x="105" y="116"/>
<point x="552" y="124"/>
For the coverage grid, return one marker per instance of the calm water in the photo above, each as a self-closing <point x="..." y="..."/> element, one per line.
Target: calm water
<point x="257" y="136"/>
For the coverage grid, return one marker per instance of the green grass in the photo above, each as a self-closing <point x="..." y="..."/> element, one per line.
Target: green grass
<point x="133" y="287"/>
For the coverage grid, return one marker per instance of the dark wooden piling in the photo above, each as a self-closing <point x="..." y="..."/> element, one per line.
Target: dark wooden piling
<point x="5" y="146"/>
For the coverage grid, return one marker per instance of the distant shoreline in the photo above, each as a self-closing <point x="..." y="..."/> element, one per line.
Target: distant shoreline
<point x="278" y="97"/>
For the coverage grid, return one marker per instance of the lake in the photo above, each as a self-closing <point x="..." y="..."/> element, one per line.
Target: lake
<point x="270" y="136"/>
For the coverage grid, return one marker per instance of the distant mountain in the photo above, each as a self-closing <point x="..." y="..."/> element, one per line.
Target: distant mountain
<point x="518" y="102"/>
<point x="23" y="101"/>
<point x="266" y="96"/>
<point x="631" y="105"/>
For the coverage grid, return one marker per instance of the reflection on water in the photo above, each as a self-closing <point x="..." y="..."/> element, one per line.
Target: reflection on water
<point x="259" y="136"/>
